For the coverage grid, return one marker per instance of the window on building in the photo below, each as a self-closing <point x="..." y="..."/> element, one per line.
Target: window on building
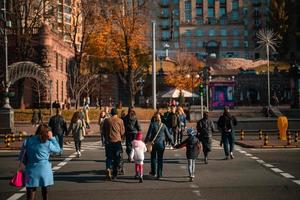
<point x="165" y="12"/>
<point x="245" y="11"/>
<point x="246" y="44"/>
<point x="235" y="43"/>
<point x="188" y="43"/>
<point x="176" y="45"/>
<point x="67" y="19"/>
<point x="211" y="3"/>
<point x="188" y="11"/>
<point x="199" y="1"/>
<point x="68" y="2"/>
<point x="67" y="9"/>
<point x="222" y="11"/>
<point x="175" y="1"/>
<point x="235" y="32"/>
<point x="176" y="23"/>
<point x="223" y="20"/>
<point x="165" y="35"/>
<point x="246" y="33"/>
<point x="223" y="32"/>
<point x="235" y="5"/>
<point x="62" y="91"/>
<point x="235" y="15"/>
<point x="211" y="32"/>
<point x="200" y="21"/>
<point x="200" y="44"/>
<point x="245" y="22"/>
<point x="57" y="90"/>
<point x="175" y="34"/>
<point x="164" y="22"/>
<point x="56" y="60"/>
<point x="199" y="11"/>
<point x="211" y="12"/>
<point x="199" y="32"/>
<point x="222" y="1"/>
<point x="67" y="65"/>
<point x="224" y="43"/>
<point x="62" y="63"/>
<point x="176" y="12"/>
<point x="188" y="32"/>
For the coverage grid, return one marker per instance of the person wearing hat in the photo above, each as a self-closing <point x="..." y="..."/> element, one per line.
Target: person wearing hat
<point x="137" y="155"/>
<point x="205" y="128"/>
<point x="113" y="131"/>
<point x="226" y="123"/>
<point x="193" y="147"/>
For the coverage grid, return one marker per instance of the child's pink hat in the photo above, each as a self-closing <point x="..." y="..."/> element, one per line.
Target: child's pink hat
<point x="139" y="135"/>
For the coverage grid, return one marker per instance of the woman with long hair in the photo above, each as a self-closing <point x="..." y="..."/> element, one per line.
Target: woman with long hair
<point x="35" y="152"/>
<point x="77" y="127"/>
<point x="157" y="134"/>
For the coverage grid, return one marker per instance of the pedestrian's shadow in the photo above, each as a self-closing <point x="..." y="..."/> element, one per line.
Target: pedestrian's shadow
<point x="81" y="176"/>
<point x="132" y="180"/>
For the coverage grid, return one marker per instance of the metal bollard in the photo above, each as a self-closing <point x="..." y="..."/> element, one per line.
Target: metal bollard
<point x="266" y="139"/>
<point x="5" y="139"/>
<point x="289" y="138"/>
<point x="296" y="137"/>
<point x="20" y="136"/>
<point x="260" y="134"/>
<point x="13" y="137"/>
<point x="242" y="134"/>
<point x="8" y="141"/>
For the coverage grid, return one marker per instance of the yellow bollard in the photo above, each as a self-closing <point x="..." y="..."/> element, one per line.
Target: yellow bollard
<point x="242" y="134"/>
<point x="13" y="137"/>
<point x="5" y="139"/>
<point x="282" y="124"/>
<point x="289" y="138"/>
<point x="266" y="140"/>
<point x="296" y="137"/>
<point x="260" y="134"/>
<point x="20" y="136"/>
<point x="8" y="141"/>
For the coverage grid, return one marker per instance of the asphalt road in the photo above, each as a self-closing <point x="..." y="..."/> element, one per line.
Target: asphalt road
<point x="253" y="174"/>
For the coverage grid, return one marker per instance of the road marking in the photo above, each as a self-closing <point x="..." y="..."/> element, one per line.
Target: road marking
<point x="194" y="186"/>
<point x="287" y="175"/>
<point x="183" y="166"/>
<point x="16" y="196"/>
<point x="276" y="170"/>
<point x="297" y="181"/>
<point x="255" y="158"/>
<point x="268" y="165"/>
<point x="260" y="161"/>
<point x="197" y="192"/>
<point x="248" y="154"/>
<point x="23" y="189"/>
<point x="56" y="168"/>
<point x="242" y="151"/>
<point x="176" y="155"/>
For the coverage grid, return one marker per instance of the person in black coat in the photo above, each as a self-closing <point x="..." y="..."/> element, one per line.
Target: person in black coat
<point x="226" y="125"/>
<point x="193" y="147"/>
<point x="173" y="123"/>
<point x="205" y="128"/>
<point x="132" y="126"/>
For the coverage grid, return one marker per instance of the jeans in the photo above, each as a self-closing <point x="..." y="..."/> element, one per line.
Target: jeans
<point x="113" y="151"/>
<point x="60" y="139"/>
<point x="129" y="138"/>
<point x="191" y="167"/>
<point x="228" y="140"/>
<point x="77" y="145"/>
<point x="157" y="154"/>
<point x="174" y="132"/>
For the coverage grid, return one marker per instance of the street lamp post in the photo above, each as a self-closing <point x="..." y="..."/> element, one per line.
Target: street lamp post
<point x="193" y="76"/>
<point x="50" y="97"/>
<point x="153" y="66"/>
<point x="6" y="113"/>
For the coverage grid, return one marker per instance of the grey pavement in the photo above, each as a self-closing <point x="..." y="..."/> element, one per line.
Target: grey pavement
<point x="252" y="174"/>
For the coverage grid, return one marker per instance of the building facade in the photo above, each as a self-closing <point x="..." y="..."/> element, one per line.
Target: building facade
<point x="226" y="28"/>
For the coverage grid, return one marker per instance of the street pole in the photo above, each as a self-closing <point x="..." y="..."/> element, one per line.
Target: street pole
<point x="6" y="81"/>
<point x="269" y="91"/>
<point x="50" y="97"/>
<point x="207" y="95"/>
<point x="201" y="98"/>
<point x="153" y="66"/>
<point x="193" y="90"/>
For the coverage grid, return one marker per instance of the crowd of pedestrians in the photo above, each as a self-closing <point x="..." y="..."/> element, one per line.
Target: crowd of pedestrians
<point x="165" y="129"/>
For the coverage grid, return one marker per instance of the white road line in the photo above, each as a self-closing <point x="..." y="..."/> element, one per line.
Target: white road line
<point x="56" y="168"/>
<point x="176" y="155"/>
<point x="255" y="158"/>
<point x="194" y="186"/>
<point x="260" y="161"/>
<point x="242" y="151"/>
<point x="248" y="154"/>
<point x="23" y="189"/>
<point x="287" y="175"/>
<point x="16" y="196"/>
<point x="268" y="165"/>
<point x="62" y="163"/>
<point x="197" y="192"/>
<point x="276" y="170"/>
<point x="183" y="166"/>
<point x="297" y="181"/>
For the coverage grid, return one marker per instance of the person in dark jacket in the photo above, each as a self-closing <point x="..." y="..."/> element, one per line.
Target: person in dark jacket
<point x="58" y="127"/>
<point x="132" y="126"/>
<point x="226" y="123"/>
<point x="182" y="124"/>
<point x="205" y="128"/>
<point x="160" y="129"/>
<point x="193" y="147"/>
<point x="173" y="123"/>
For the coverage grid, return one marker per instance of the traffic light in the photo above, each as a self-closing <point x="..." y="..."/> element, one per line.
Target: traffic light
<point x="201" y="89"/>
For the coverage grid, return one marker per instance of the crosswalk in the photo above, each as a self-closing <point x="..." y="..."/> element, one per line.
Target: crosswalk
<point x="97" y="145"/>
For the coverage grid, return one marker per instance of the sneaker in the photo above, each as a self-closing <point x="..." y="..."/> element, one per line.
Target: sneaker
<point x="191" y="179"/>
<point x="108" y="174"/>
<point x="141" y="179"/>
<point x="231" y="155"/>
<point x="206" y="160"/>
<point x="226" y="158"/>
<point x="78" y="154"/>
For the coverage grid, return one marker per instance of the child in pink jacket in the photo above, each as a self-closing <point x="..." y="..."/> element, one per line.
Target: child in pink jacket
<point x="137" y="155"/>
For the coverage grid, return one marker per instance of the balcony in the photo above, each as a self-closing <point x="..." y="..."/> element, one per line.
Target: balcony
<point x="164" y="3"/>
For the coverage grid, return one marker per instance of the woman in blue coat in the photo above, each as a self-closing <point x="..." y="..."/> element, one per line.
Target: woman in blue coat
<point x="160" y="129"/>
<point x="35" y="153"/>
